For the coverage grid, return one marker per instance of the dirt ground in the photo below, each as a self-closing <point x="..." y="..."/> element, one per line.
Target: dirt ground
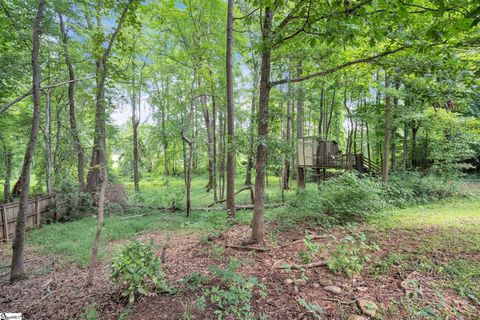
<point x="56" y="290"/>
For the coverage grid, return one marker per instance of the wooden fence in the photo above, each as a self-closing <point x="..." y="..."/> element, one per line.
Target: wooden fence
<point x="36" y="208"/>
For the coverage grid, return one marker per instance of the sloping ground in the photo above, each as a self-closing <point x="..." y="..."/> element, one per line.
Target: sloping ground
<point x="425" y="264"/>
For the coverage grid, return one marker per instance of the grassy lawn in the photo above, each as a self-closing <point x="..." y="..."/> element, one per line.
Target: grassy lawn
<point x="443" y="247"/>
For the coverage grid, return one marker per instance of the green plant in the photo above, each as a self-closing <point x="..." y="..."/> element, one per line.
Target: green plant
<point x="137" y="269"/>
<point x="194" y="281"/>
<point x="77" y="204"/>
<point x="315" y="310"/>
<point x="232" y="297"/>
<point x="114" y="209"/>
<point x="311" y="249"/>
<point x="350" y="255"/>
<point x="90" y="313"/>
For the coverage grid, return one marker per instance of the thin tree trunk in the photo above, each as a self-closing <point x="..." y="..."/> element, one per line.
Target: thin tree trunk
<point x="47" y="139"/>
<point x="214" y="141"/>
<point x="414" y="145"/>
<point x="71" y="103"/>
<point x="100" y="218"/>
<point x="230" y="117"/>
<point x="8" y="173"/>
<point x="405" y="147"/>
<point x="93" y="177"/>
<point x="222" y="129"/>
<point x="248" y="176"/>
<point x="286" y="168"/>
<point x="208" y="127"/>
<point x="386" y="143"/>
<point x="17" y="271"/>
<point x="189" y="142"/>
<point x="135" y="122"/>
<point x="258" y="222"/>
<point x="368" y="146"/>
<point x="300" y="124"/>
<point x="394" y="128"/>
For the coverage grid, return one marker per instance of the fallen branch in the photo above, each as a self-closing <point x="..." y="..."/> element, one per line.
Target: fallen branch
<point x="223" y="200"/>
<point x="131" y="217"/>
<point x="246" y="248"/>
<point x="165" y="209"/>
<point x="313" y="238"/>
<point x="307" y="266"/>
<point x="243" y="207"/>
<point x="345" y="302"/>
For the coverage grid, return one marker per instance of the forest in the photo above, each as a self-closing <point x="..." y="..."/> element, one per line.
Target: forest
<point x="240" y="159"/>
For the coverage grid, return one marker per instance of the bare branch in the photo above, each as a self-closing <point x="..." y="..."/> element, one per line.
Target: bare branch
<point x="339" y="67"/>
<point x="26" y="94"/>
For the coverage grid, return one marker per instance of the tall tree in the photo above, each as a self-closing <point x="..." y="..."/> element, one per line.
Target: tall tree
<point x="102" y="55"/>
<point x="17" y="271"/>
<point x="386" y="142"/>
<point x="230" y="117"/>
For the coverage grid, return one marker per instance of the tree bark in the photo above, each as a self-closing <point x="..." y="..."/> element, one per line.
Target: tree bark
<point x="386" y="143"/>
<point x="286" y="166"/>
<point x="135" y="122"/>
<point x="189" y="162"/>
<point x="394" y="128"/>
<point x="248" y="176"/>
<point x="8" y="173"/>
<point x="100" y="218"/>
<point x="300" y="124"/>
<point x="230" y="117"/>
<point x="71" y="104"/>
<point x="17" y="271"/>
<point x="258" y="222"/>
<point x="405" y="147"/>
<point x="47" y="140"/>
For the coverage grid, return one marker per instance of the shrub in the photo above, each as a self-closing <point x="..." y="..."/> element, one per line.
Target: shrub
<point x="136" y="269"/>
<point x="350" y="255"/>
<point x="77" y="204"/>
<point x="234" y="294"/>
<point x="349" y="196"/>
<point x="114" y="209"/>
<point x="417" y="189"/>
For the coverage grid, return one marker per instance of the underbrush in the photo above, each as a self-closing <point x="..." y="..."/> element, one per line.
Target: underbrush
<point x="350" y="198"/>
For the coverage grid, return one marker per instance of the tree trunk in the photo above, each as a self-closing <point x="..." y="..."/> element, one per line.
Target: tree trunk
<point x="47" y="139"/>
<point x="300" y="124"/>
<point x="415" y="128"/>
<point x="230" y="117"/>
<point x="99" y="140"/>
<point x="394" y="128"/>
<point x="405" y="147"/>
<point x="135" y="122"/>
<point x="71" y="104"/>
<point x="286" y="167"/>
<point x="248" y="176"/>
<point x="8" y="174"/>
<point x="189" y="142"/>
<point x="100" y="218"/>
<point x="208" y="127"/>
<point x="17" y="271"/>
<point x="214" y="142"/>
<point x="258" y="222"/>
<point x="386" y="143"/>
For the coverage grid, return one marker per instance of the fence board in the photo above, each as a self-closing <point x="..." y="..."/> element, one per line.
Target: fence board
<point x="33" y="216"/>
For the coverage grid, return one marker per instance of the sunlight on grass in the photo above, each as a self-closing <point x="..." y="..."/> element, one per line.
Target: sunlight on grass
<point x="457" y="213"/>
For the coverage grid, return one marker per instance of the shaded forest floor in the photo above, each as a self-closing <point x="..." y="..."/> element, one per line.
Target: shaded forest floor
<point x="423" y="262"/>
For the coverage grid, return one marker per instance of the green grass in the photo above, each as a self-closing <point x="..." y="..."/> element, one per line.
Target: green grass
<point x="162" y="191"/>
<point x="449" y="229"/>
<point x="74" y="239"/>
<point x="461" y="213"/>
